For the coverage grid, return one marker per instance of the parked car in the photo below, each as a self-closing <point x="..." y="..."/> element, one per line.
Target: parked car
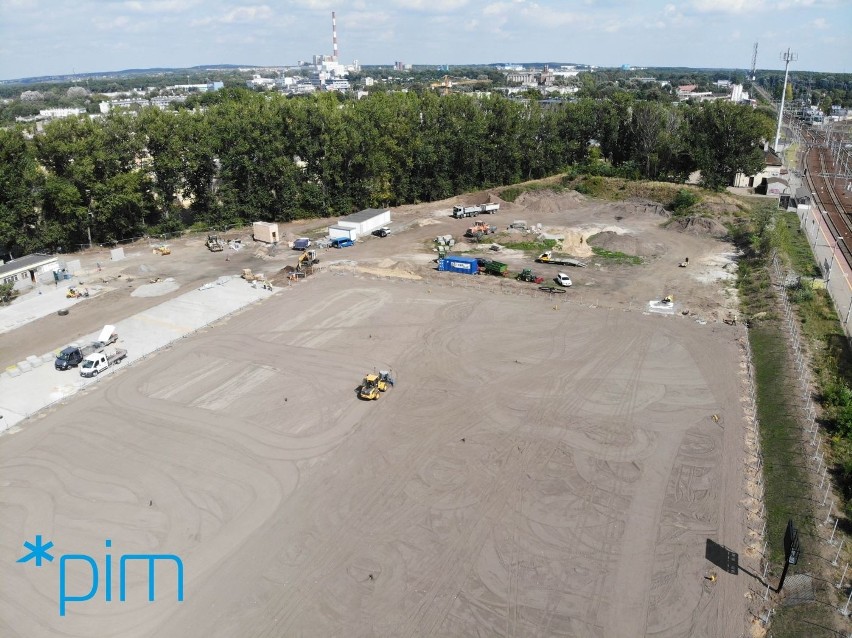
<point x="382" y="232"/>
<point x="563" y="280"/>
<point x="342" y="242"/>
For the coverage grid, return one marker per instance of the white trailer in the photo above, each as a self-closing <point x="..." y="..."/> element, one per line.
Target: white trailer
<point x="477" y="209"/>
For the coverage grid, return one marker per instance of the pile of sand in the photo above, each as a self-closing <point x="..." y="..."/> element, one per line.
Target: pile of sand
<point x="550" y="202"/>
<point x="699" y="226"/>
<point x="576" y="240"/>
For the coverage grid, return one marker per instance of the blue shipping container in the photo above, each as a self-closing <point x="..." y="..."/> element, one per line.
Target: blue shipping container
<point x="464" y="265"/>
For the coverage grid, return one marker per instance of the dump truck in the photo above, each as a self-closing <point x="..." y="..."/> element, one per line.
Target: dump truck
<point x="477" y="209"/>
<point x="528" y="275"/>
<point x="97" y="362"/>
<point x="374" y="384"/>
<point x="215" y="244"/>
<point x="549" y="258"/>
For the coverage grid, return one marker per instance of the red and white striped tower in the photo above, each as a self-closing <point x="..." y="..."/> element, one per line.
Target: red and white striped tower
<point x="334" y="35"/>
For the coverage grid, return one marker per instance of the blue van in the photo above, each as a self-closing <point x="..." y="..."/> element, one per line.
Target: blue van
<point x="342" y="242"/>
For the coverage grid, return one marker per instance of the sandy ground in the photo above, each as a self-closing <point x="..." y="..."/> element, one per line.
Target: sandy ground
<point x="542" y="467"/>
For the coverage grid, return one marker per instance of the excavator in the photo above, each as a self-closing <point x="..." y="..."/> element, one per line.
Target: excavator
<point x="306" y="260"/>
<point x="374" y="384"/>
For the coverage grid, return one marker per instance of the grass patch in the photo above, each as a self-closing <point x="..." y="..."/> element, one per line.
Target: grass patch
<point x="531" y="246"/>
<point x="793" y="245"/>
<point x="616" y="256"/>
<point x="780" y="436"/>
<point x="787" y="481"/>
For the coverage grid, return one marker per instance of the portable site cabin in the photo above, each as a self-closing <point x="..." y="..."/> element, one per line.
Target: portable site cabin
<point x="364" y="221"/>
<point x="28" y="270"/>
<point x="463" y="265"/>
<point x="266" y="232"/>
<point x="345" y="232"/>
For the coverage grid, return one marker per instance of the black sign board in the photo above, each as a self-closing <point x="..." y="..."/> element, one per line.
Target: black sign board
<point x="791" y="543"/>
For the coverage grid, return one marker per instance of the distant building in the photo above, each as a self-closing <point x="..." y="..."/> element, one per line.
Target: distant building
<point x="773" y="168"/>
<point x="258" y="83"/>
<point x="60" y="112"/>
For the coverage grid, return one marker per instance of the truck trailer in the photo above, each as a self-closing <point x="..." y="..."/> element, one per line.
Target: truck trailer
<point x="472" y="211"/>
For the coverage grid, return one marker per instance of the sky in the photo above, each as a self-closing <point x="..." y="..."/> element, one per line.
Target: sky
<point x="52" y="37"/>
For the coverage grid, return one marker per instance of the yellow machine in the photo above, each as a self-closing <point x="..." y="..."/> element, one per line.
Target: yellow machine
<point x="306" y="260"/>
<point x="374" y="384"/>
<point x="162" y="250"/>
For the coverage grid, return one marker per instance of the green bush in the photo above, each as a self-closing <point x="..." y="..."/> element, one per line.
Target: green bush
<point x="510" y="194"/>
<point x="592" y="186"/>
<point x="684" y="200"/>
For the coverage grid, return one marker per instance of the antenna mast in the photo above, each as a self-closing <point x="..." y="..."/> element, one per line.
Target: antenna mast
<point x="753" y="61"/>
<point x="334" y="36"/>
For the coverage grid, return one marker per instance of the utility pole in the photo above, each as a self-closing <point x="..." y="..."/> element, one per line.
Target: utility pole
<point x="787" y="57"/>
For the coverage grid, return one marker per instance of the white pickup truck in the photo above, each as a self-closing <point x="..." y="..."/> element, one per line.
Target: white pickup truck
<point x="96" y="363"/>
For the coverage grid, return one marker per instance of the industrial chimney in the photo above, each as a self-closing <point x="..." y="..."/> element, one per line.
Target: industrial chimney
<point x="334" y="36"/>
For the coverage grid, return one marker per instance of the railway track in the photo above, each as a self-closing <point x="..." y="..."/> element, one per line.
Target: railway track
<point x="821" y="188"/>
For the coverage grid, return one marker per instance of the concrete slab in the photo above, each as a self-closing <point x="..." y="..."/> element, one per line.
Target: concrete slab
<point x="21" y="395"/>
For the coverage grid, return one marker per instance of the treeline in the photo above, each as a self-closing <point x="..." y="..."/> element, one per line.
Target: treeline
<point x="265" y="157"/>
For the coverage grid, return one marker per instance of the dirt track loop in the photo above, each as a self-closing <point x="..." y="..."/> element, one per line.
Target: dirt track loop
<point x="536" y="471"/>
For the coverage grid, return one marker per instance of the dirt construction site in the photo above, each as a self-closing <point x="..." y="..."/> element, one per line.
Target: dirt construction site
<point x="544" y="465"/>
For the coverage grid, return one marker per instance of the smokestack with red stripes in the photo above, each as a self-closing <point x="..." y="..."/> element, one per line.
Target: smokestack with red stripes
<point x="334" y="35"/>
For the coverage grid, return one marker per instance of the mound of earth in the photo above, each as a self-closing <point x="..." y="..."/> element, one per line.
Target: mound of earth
<point x="699" y="226"/>
<point x="624" y="243"/>
<point x="548" y="201"/>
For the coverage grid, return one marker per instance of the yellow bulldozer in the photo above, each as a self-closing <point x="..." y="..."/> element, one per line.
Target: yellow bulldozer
<point x="162" y="249"/>
<point x="374" y="384"/>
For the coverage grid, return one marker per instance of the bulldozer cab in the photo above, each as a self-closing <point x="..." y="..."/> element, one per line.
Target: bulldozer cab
<point x="370" y="387"/>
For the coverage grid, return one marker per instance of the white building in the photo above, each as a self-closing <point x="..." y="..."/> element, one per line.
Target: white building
<point x="259" y="83"/>
<point x="28" y="270"/>
<point x="60" y="112"/>
<point x="363" y="222"/>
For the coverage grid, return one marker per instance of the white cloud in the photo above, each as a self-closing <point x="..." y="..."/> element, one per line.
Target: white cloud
<point x="119" y="22"/>
<point x="238" y="15"/>
<point x="160" y="6"/>
<point x="819" y="23"/>
<point x="726" y="6"/>
<point x="431" y="5"/>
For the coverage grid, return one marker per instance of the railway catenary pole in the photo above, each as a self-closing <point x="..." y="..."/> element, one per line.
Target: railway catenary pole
<point x="787" y="57"/>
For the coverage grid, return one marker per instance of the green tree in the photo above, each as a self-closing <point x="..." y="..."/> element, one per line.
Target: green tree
<point x="20" y="182"/>
<point x="724" y="139"/>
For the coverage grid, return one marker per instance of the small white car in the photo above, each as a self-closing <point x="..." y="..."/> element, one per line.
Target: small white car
<point x="563" y="280"/>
